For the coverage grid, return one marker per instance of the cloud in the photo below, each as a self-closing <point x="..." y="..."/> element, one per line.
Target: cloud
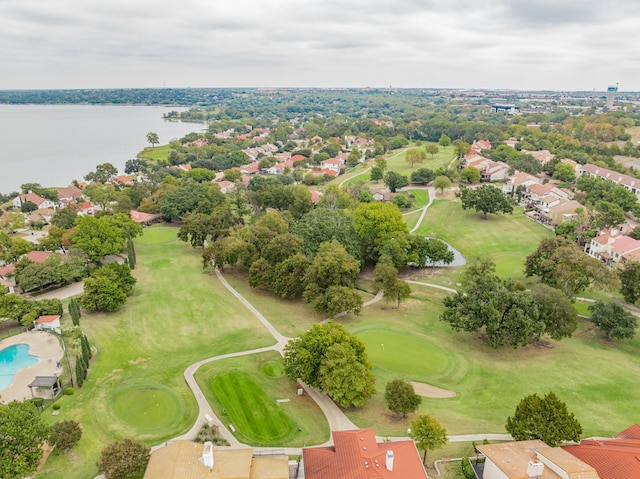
<point x="414" y="43"/>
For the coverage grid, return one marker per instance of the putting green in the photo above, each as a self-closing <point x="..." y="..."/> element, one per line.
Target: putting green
<point x="273" y="369"/>
<point x="254" y="415"/>
<point x="146" y="406"/>
<point x="404" y="353"/>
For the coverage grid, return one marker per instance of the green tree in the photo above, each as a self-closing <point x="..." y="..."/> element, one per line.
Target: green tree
<point x="394" y="180"/>
<point x="613" y="320"/>
<point x="289" y="276"/>
<point x="321" y="225"/>
<point x="401" y="398"/>
<point x="380" y="162"/>
<point x="485" y="199"/>
<point x="81" y="371"/>
<point x="461" y="148"/>
<point x="74" y="312"/>
<point x="630" y="282"/>
<point x="332" y="266"/>
<point x="28" y="206"/>
<point x="232" y="175"/>
<point x="428" y="433"/>
<point x="22" y="433"/>
<point x="441" y="183"/>
<point x="556" y="311"/>
<point x="345" y="378"/>
<point x="386" y="278"/>
<point x="375" y="223"/>
<point x="124" y="459"/>
<point x="414" y="156"/>
<point x="507" y="314"/>
<point x="422" y="176"/>
<point x="98" y="237"/>
<point x="106" y="288"/>
<point x="327" y="349"/>
<point x="174" y="203"/>
<point x="444" y="141"/>
<point x="607" y="214"/>
<point x="564" y="172"/>
<point x="104" y="173"/>
<point x="340" y="299"/>
<point x="432" y="149"/>
<point x="425" y="252"/>
<point x="152" y="139"/>
<point x="66" y="434"/>
<point x="376" y="174"/>
<point x="335" y="198"/>
<point x="470" y="174"/>
<point x="546" y="418"/>
<point x="561" y="264"/>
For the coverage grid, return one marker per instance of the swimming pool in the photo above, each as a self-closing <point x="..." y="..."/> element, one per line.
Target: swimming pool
<point x="13" y="359"/>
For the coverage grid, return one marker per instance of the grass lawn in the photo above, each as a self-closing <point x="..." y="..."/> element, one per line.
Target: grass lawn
<point x="507" y="239"/>
<point x="244" y="392"/>
<point x="156" y="153"/>
<point x="595" y="377"/>
<point x="396" y="161"/>
<point x="421" y="197"/>
<point x="176" y="316"/>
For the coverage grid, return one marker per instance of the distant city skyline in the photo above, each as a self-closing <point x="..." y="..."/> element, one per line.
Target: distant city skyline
<point x="469" y="44"/>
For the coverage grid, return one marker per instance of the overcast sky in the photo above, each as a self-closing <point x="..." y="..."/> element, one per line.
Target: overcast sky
<point x="515" y="44"/>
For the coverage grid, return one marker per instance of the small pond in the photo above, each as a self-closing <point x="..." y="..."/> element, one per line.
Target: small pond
<point x="458" y="258"/>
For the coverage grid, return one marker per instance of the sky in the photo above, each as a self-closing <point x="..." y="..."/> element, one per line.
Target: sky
<point x="483" y="44"/>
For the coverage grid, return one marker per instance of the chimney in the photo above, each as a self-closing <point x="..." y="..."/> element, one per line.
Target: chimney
<point x="535" y="470"/>
<point x="207" y="455"/>
<point x="389" y="461"/>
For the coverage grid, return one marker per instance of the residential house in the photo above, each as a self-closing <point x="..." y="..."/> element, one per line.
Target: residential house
<point x="145" y="219"/>
<point x="192" y="460"/>
<point x="543" y="156"/>
<point x="124" y="180"/>
<point x="334" y="164"/>
<point x="38" y="200"/>
<point x="249" y="169"/>
<point x="489" y="170"/>
<point x="226" y="186"/>
<point x="511" y="142"/>
<point x="381" y="195"/>
<point x="50" y="322"/>
<point x="7" y="278"/>
<point x="612" y="246"/>
<point x="276" y="169"/>
<point x="357" y="455"/>
<point x="530" y="460"/>
<point x="552" y="205"/>
<point x="198" y="143"/>
<point x="520" y="179"/>
<point x="324" y="171"/>
<point x="616" y="458"/>
<point x="315" y="196"/>
<point x="70" y="194"/>
<point x="479" y="145"/>
<point x="629" y="182"/>
<point x="574" y="164"/>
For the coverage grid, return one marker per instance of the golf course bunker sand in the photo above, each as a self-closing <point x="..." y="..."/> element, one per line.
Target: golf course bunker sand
<point x="429" y="391"/>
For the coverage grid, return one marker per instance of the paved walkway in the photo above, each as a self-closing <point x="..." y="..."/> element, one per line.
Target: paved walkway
<point x="74" y="289"/>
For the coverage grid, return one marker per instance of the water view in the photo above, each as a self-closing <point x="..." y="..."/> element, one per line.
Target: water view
<point x="55" y="144"/>
<point x="13" y="359"/>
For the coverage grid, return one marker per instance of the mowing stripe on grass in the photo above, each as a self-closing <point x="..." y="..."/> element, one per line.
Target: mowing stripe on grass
<point x="254" y="414"/>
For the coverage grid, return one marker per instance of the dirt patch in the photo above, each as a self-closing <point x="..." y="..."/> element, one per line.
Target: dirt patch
<point x="429" y="391"/>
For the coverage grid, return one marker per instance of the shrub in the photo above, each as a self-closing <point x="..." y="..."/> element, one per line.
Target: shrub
<point x="69" y="391"/>
<point x="56" y="406"/>
<point x="467" y="470"/>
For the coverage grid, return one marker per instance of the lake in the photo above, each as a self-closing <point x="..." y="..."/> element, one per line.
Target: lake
<point x="55" y="144"/>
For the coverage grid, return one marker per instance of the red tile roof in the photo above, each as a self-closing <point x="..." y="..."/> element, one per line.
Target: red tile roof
<point x="47" y="319"/>
<point x="357" y="455"/>
<point x="38" y="256"/>
<point x="33" y="198"/>
<point x="617" y="458"/>
<point x="7" y="270"/>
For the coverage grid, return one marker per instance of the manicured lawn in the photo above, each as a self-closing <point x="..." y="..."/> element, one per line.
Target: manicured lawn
<point x="595" y="377"/>
<point x="396" y="161"/>
<point x="421" y="197"/>
<point x="177" y="315"/>
<point x="156" y="153"/>
<point x="244" y="391"/>
<point x="507" y="239"/>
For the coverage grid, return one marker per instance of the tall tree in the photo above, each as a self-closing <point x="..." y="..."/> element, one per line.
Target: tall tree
<point x="556" y="311"/>
<point x="152" y="138"/>
<point x="630" y="281"/>
<point x="394" y="180"/>
<point x="414" y="156"/>
<point x="22" y="433"/>
<point x="104" y="173"/>
<point x="374" y="223"/>
<point x="124" y="459"/>
<point x="401" y="398"/>
<point x="428" y="433"/>
<point x="561" y="264"/>
<point x="546" y="418"/>
<point x="613" y="320"/>
<point x="325" y="356"/>
<point x="441" y="183"/>
<point x="386" y="278"/>
<point x="74" y="312"/>
<point x="432" y="149"/>
<point x="486" y="199"/>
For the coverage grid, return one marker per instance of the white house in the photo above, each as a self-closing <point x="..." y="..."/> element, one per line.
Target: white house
<point x="48" y="322"/>
<point x="38" y="200"/>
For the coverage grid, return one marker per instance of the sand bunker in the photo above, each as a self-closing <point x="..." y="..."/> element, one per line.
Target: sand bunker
<point x="429" y="391"/>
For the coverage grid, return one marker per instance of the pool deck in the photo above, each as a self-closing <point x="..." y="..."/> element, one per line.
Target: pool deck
<point x="44" y="345"/>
